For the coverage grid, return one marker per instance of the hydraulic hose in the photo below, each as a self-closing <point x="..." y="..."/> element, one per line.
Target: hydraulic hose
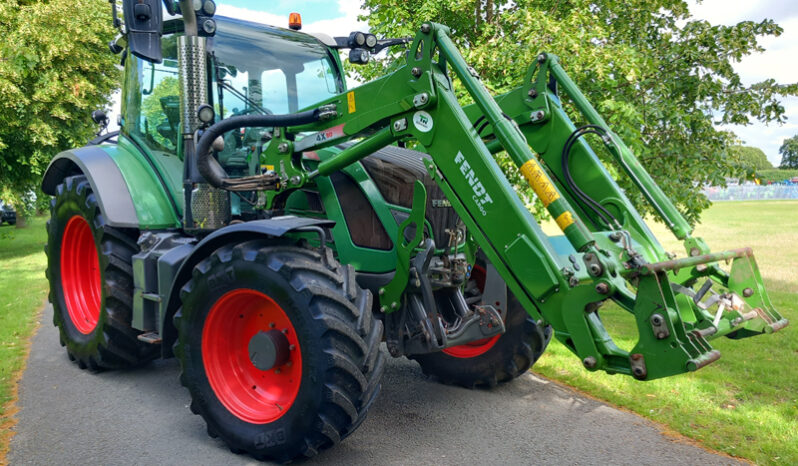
<point x="215" y="175"/>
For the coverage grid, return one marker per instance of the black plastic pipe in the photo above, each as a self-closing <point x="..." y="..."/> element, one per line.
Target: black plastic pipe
<point x="210" y="169"/>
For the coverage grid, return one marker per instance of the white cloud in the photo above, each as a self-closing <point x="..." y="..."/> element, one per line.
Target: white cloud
<point x="338" y="26"/>
<point x="252" y="15"/>
<point x="778" y="61"/>
<point x="343" y="25"/>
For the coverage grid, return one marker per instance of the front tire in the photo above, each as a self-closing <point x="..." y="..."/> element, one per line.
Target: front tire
<point x="91" y="282"/>
<point x="278" y="348"/>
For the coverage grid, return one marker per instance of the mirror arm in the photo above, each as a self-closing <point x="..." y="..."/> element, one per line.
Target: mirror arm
<point x="116" y="21"/>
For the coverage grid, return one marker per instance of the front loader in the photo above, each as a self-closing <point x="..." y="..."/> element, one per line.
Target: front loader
<point x="271" y="229"/>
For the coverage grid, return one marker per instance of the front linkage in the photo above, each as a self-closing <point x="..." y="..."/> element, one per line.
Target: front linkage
<point x="607" y="250"/>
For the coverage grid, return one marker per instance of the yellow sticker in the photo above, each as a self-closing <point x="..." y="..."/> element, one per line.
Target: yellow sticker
<point x="350" y="99"/>
<point x="564" y="220"/>
<point x="267" y="167"/>
<point x="540" y="183"/>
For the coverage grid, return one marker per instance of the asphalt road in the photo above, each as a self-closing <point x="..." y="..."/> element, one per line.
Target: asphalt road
<point x="69" y="416"/>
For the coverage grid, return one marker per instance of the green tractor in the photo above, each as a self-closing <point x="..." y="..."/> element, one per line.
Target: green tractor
<point x="270" y="229"/>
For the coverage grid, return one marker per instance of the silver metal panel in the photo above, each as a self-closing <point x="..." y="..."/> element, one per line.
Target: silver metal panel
<point x="192" y="60"/>
<point x="210" y="207"/>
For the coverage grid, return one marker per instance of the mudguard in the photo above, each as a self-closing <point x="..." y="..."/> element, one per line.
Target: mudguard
<point x="237" y="233"/>
<point x="127" y="187"/>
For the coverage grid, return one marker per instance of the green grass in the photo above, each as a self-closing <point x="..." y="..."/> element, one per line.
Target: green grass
<point x="23" y="288"/>
<point x="745" y="404"/>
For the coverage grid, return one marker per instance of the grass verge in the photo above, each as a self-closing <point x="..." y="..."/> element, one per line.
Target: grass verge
<point x="23" y="288"/>
<point x="745" y="404"/>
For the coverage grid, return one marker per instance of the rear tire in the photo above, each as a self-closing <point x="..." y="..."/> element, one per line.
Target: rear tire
<point x="313" y="397"/>
<point x="488" y="362"/>
<point x="91" y="282"/>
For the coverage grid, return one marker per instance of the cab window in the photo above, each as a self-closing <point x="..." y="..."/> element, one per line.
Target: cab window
<point x="153" y="101"/>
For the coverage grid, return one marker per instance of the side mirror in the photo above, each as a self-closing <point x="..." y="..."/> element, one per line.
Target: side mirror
<point x="144" y="26"/>
<point x="99" y="117"/>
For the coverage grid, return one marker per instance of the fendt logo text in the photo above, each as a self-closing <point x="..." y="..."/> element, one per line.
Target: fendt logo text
<point x="481" y="196"/>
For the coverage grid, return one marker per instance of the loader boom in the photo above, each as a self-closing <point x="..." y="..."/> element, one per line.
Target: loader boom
<point x="607" y="251"/>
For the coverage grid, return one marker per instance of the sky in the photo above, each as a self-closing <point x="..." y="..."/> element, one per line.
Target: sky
<point x="778" y="61"/>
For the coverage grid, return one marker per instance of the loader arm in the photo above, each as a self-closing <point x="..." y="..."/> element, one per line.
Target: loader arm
<point x="562" y="281"/>
<point x="536" y="107"/>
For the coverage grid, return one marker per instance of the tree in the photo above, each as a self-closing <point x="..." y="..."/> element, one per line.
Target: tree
<point x="55" y="68"/>
<point x="789" y="153"/>
<point x="751" y="158"/>
<point x="659" y="76"/>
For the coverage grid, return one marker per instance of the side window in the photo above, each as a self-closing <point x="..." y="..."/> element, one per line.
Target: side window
<point x="274" y="91"/>
<point x="240" y="95"/>
<point x="152" y="115"/>
<point x="315" y="82"/>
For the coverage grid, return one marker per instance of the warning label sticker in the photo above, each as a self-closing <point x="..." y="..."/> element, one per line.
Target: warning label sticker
<point x="350" y="100"/>
<point x="540" y="183"/>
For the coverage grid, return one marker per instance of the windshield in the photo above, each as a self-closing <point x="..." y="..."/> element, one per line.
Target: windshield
<point x="258" y="69"/>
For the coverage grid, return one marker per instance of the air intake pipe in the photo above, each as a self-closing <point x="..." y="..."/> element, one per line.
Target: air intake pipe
<point x="216" y="176"/>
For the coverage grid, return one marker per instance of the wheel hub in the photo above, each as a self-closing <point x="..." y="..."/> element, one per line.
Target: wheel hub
<point x="268" y="349"/>
<point x="252" y="356"/>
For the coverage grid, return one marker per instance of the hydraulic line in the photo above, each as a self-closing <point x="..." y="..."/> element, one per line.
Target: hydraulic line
<point x="604" y="214"/>
<point x="600" y="210"/>
<point x="215" y="175"/>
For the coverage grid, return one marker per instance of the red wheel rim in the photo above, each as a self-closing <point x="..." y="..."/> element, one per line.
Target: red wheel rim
<point x="478" y="347"/>
<point x="251" y="394"/>
<point x="80" y="275"/>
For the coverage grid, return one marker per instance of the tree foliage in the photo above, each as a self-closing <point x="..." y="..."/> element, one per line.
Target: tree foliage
<point x="789" y="153"/>
<point x="752" y="158"/>
<point x="55" y="68"/>
<point x="776" y="175"/>
<point x="660" y="77"/>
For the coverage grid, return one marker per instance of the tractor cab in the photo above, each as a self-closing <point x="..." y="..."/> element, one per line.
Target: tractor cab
<point x="251" y="69"/>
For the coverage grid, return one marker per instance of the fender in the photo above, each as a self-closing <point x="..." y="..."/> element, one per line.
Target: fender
<point x="127" y="187"/>
<point x="271" y="228"/>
